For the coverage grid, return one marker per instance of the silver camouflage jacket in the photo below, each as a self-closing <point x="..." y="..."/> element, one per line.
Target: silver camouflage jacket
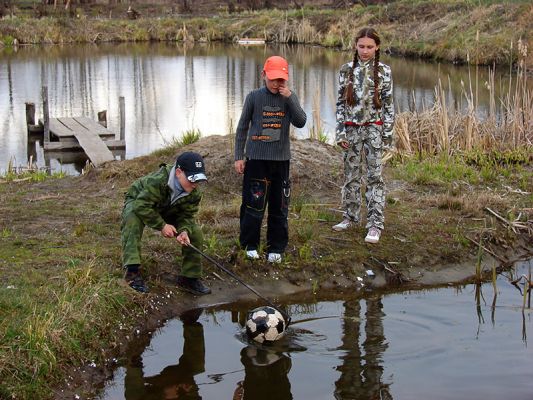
<point x="364" y="111"/>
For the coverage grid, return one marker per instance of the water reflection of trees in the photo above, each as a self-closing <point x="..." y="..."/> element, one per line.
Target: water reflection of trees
<point x="172" y="87"/>
<point x="361" y="371"/>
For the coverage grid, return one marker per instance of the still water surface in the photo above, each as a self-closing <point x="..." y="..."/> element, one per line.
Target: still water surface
<point x="433" y="344"/>
<point x="172" y="88"/>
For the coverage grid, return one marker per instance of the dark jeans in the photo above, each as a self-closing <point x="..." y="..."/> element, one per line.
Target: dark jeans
<point x="265" y="183"/>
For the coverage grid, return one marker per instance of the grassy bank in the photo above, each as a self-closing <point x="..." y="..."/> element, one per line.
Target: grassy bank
<point x="480" y="32"/>
<point x="63" y="305"/>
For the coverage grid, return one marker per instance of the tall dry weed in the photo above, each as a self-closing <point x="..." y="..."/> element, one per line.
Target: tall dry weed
<point x="306" y="33"/>
<point x="441" y="129"/>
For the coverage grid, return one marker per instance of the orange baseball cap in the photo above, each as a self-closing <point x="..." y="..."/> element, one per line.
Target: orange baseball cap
<point x="276" y="67"/>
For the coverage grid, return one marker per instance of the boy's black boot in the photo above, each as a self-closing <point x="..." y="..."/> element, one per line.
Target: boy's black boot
<point x="193" y="285"/>
<point x="136" y="281"/>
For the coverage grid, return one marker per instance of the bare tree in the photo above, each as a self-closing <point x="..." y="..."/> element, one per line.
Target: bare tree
<point x="4" y="9"/>
<point x="231" y="7"/>
<point x="185" y="6"/>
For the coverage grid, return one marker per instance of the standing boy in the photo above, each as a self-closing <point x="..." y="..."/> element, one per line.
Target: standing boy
<point x="262" y="154"/>
<point x="166" y="200"/>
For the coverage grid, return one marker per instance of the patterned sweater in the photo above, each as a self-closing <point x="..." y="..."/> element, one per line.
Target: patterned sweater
<point x="263" y="129"/>
<point x="364" y="110"/>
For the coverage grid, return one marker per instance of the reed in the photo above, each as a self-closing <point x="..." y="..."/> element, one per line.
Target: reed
<point x="305" y="32"/>
<point x="479" y="259"/>
<point x="317" y="131"/>
<point x="494" y="276"/>
<point x="527" y="288"/>
<point x="30" y="172"/>
<point x="231" y="135"/>
<point x="530" y="285"/>
<point x="441" y="129"/>
<point x="190" y="136"/>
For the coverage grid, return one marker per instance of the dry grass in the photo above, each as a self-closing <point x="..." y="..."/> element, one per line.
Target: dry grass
<point x="468" y="204"/>
<point x="452" y="30"/>
<point x="443" y="130"/>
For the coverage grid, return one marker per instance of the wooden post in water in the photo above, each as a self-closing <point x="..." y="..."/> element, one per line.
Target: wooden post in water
<point x="46" y="115"/>
<point x="30" y="114"/>
<point x="30" y="120"/>
<point x="102" y="118"/>
<point x="122" y="107"/>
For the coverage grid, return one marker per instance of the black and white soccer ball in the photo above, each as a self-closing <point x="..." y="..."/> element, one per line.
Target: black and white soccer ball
<point x="265" y="324"/>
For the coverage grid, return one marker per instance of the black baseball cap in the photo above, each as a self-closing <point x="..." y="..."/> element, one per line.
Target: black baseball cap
<point x="192" y="164"/>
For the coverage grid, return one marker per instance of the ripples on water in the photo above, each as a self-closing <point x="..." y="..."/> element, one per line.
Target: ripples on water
<point x="434" y="344"/>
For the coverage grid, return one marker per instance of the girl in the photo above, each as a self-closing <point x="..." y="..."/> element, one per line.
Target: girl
<point x="365" y="118"/>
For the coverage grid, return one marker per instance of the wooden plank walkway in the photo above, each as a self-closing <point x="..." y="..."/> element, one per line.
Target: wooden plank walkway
<point x="88" y="134"/>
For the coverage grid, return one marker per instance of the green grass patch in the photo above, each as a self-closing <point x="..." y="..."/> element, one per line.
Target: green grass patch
<point x="32" y="175"/>
<point x="54" y="319"/>
<point x="438" y="170"/>
<point x="190" y="136"/>
<point x="473" y="169"/>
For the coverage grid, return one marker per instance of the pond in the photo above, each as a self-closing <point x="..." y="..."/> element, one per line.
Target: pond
<point x="456" y="342"/>
<point x="172" y="88"/>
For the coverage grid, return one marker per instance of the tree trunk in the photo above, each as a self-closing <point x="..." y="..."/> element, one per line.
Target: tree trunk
<point x="185" y="6"/>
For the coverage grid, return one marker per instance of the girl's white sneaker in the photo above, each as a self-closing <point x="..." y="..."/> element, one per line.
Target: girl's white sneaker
<point x="373" y="235"/>
<point x="342" y="226"/>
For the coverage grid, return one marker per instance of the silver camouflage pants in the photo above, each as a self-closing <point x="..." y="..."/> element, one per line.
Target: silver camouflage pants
<point x="367" y="140"/>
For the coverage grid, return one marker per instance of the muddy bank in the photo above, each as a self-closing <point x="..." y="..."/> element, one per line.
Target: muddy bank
<point x="87" y="381"/>
<point x="423" y="245"/>
<point x="62" y="236"/>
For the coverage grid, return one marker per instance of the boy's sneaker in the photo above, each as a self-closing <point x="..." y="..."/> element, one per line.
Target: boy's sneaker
<point x="342" y="226"/>
<point x="373" y="235"/>
<point x="136" y="282"/>
<point x="274" y="258"/>
<point x="252" y="254"/>
<point x="193" y="285"/>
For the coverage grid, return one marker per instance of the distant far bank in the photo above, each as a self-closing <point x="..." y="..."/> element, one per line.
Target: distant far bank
<point x="483" y="32"/>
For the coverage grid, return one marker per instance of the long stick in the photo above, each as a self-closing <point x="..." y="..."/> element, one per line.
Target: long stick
<point x="227" y="271"/>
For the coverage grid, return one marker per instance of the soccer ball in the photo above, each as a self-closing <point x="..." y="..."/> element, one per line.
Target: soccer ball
<point x="265" y="324"/>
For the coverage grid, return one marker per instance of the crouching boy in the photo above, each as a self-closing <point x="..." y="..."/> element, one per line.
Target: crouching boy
<point x="166" y="200"/>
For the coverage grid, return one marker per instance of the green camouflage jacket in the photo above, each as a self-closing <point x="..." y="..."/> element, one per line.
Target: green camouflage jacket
<point x="364" y="111"/>
<point x="151" y="197"/>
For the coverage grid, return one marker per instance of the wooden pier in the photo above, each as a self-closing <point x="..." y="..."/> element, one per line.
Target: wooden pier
<point x="77" y="133"/>
<point x="251" y="41"/>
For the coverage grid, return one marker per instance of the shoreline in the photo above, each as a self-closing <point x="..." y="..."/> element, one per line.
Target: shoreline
<point x="454" y="31"/>
<point x="453" y="212"/>
<point x="88" y="382"/>
<point x="65" y="303"/>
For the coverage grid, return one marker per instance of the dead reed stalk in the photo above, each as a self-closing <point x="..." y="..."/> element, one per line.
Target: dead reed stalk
<point x="443" y="129"/>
